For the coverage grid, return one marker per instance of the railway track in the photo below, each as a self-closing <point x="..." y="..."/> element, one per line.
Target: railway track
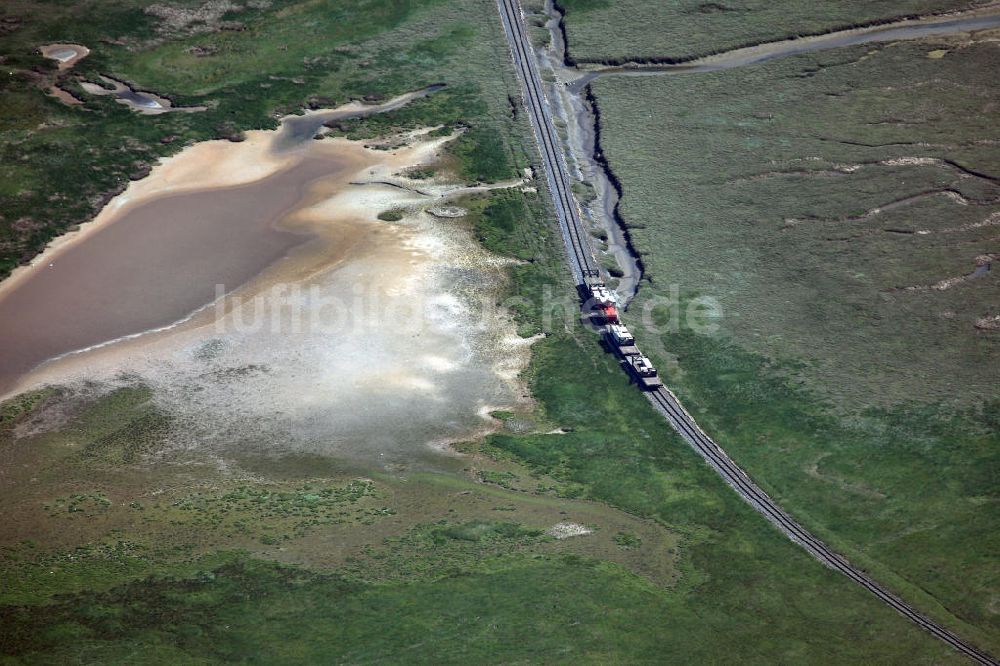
<point x="667" y="404"/>
<point x="556" y="172"/>
<point x="583" y="263"/>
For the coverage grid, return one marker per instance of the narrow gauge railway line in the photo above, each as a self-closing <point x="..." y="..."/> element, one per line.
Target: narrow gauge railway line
<point x="557" y="174"/>
<point x="584" y="266"/>
<point x="667" y="404"/>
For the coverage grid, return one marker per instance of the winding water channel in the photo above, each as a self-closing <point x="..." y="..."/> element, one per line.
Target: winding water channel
<point x="751" y="55"/>
<point x="573" y="103"/>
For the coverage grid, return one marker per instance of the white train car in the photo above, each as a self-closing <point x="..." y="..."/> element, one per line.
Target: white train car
<point x="622" y="340"/>
<point x="644" y="372"/>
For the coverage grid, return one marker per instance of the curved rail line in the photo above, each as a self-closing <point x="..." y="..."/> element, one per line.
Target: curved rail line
<point x="582" y="262"/>
<point x="668" y="405"/>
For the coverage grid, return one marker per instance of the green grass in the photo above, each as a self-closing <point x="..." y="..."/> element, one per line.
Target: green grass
<point x="119" y="428"/>
<point x="14" y="410"/>
<point x="497" y="223"/>
<point x="294" y="38"/>
<point x="463" y="588"/>
<point x="748" y="186"/>
<point x="394" y="215"/>
<point x="867" y="409"/>
<point x="481" y="153"/>
<point x="444" y="548"/>
<point x="555" y="609"/>
<point x="480" y="530"/>
<point x="484" y="606"/>
<point x="618" y="451"/>
<point x="300" y="509"/>
<point x="616" y="30"/>
<point x="911" y="490"/>
<point x="34" y="578"/>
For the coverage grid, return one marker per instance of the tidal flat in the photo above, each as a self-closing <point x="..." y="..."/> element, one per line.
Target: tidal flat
<point x="280" y="309"/>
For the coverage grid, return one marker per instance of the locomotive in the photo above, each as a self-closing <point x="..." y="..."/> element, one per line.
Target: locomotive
<point x="600" y="300"/>
<point x="605" y="304"/>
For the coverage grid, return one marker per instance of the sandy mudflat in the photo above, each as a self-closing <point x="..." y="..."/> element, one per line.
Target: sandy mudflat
<point x="159" y="261"/>
<point x="144" y="102"/>
<point x="348" y="335"/>
<point x="211" y="215"/>
<point x="66" y="55"/>
<point x="208" y="165"/>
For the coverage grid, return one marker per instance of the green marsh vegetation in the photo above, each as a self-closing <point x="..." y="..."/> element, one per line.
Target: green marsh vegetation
<point x="394" y="215"/>
<point x="186" y="562"/>
<point x="836" y="206"/>
<point x="528" y="610"/>
<point x="611" y="31"/>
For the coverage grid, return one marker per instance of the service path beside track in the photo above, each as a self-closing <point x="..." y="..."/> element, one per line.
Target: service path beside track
<point x="582" y="261"/>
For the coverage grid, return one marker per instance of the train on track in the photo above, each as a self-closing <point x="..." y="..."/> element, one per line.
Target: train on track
<point x="604" y="312"/>
<point x="602" y="309"/>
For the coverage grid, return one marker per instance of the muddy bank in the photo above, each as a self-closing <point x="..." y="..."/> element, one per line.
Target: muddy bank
<point x="296" y="129"/>
<point x="142" y="102"/>
<point x="580" y="115"/>
<point x="156" y="264"/>
<point x="66" y="55"/>
<point x="373" y="341"/>
<point x="64" y="96"/>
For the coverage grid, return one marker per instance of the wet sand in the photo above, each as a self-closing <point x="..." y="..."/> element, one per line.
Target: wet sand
<point x="202" y="169"/>
<point x="372" y="341"/>
<point x="156" y="264"/>
<point x="66" y="55"/>
<point x="143" y="102"/>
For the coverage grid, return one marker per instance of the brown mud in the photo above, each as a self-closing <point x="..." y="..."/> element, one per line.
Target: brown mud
<point x="372" y="341"/>
<point x="159" y="262"/>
